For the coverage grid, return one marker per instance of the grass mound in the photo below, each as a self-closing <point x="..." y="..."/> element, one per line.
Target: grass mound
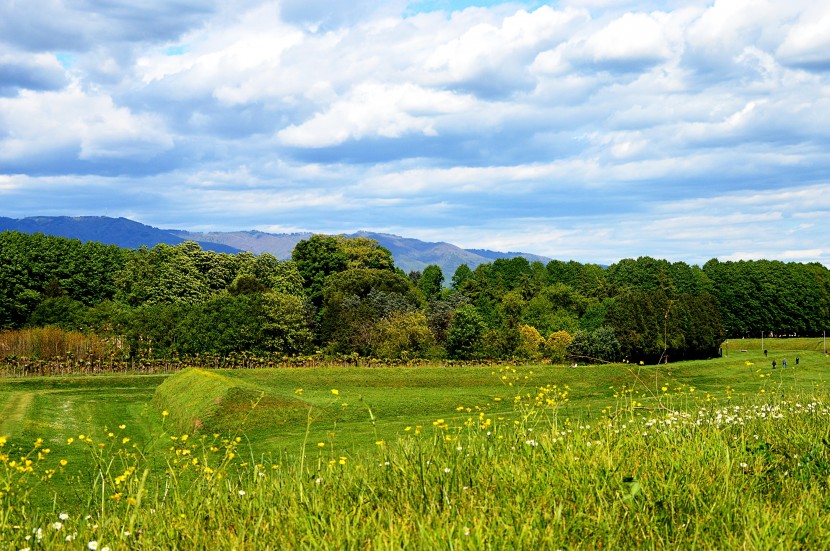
<point x="207" y="401"/>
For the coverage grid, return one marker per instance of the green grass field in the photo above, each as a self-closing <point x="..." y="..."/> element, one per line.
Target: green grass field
<point x="306" y="424"/>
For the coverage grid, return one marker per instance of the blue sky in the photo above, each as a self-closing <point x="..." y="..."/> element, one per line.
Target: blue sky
<point x="591" y="130"/>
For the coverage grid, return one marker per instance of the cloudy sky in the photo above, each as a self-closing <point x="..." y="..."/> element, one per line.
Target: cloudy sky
<point x="591" y="130"/>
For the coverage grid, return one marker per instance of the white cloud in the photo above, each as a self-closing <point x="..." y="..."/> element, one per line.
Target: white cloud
<point x="39" y="122"/>
<point x="808" y="41"/>
<point x="633" y="37"/>
<point x="488" y="48"/>
<point x="376" y="110"/>
<point x="592" y="128"/>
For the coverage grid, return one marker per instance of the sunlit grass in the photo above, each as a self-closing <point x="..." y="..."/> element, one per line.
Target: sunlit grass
<point x="720" y="454"/>
<point x="750" y="474"/>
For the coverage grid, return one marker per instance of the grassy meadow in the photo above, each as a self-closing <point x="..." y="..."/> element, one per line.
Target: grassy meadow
<point x="725" y="453"/>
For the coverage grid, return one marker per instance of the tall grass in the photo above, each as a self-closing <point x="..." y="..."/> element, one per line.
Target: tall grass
<point x="743" y="473"/>
<point x="49" y="343"/>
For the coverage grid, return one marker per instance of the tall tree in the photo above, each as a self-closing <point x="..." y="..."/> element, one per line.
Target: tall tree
<point x="431" y="281"/>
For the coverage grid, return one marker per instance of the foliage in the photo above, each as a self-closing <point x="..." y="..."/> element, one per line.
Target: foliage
<point x="460" y="277"/>
<point x="556" y="345"/>
<point x="465" y="333"/>
<point x="29" y="264"/>
<point x="166" y="301"/>
<point x="431" y="281"/>
<point x="531" y="343"/>
<point x="600" y="345"/>
<point x="355" y="300"/>
<point x="363" y="252"/>
<point x="403" y="334"/>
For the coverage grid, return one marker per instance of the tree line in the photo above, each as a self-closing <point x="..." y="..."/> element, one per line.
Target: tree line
<point x="344" y="296"/>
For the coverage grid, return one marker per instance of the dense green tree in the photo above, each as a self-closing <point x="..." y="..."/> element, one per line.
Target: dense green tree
<point x="460" y="277"/>
<point x="555" y="307"/>
<point x="588" y="280"/>
<point x="403" y="334"/>
<point x="507" y="274"/>
<point x="363" y="252"/>
<point x="464" y="336"/>
<point x="530" y="343"/>
<point x="222" y="325"/>
<point x="60" y="311"/>
<point x="353" y="302"/>
<point x="600" y="345"/>
<point x="651" y="326"/>
<point x="31" y="264"/>
<point x="317" y="258"/>
<point x="556" y="345"/>
<point x="164" y="274"/>
<point x="440" y="312"/>
<point x="288" y="324"/>
<point x="431" y="281"/>
<point x="150" y="330"/>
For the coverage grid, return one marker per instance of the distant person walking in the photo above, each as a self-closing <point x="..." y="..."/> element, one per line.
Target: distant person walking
<point x="773" y="364"/>
<point x="796" y="360"/>
<point x="765" y="352"/>
<point x="784" y="363"/>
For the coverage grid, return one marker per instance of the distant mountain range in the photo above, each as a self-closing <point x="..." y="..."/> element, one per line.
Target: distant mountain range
<point x="410" y="254"/>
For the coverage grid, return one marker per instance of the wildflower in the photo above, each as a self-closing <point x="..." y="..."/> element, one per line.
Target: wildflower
<point x="379" y="443"/>
<point x="241" y="492"/>
<point x="64" y="462"/>
<point x="92" y="545"/>
<point x="335" y="391"/>
<point x="63" y="516"/>
<point x="466" y="531"/>
<point x="57" y="525"/>
<point x="447" y="470"/>
<point x="165" y="413"/>
<point x="298" y="392"/>
<point x="321" y="444"/>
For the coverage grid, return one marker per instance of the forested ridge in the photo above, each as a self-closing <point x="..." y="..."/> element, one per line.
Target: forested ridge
<point x="341" y="296"/>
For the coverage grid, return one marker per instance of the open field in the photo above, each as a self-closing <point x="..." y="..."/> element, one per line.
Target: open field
<point x="59" y="407"/>
<point x="562" y="432"/>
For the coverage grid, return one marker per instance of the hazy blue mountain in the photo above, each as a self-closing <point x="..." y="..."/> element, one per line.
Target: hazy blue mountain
<point x="111" y="231"/>
<point x="410" y="254"/>
<point x="257" y="242"/>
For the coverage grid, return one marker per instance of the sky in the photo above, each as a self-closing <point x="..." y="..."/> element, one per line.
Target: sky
<point x="587" y="130"/>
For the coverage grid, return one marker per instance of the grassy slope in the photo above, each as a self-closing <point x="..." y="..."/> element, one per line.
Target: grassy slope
<point x="59" y="408"/>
